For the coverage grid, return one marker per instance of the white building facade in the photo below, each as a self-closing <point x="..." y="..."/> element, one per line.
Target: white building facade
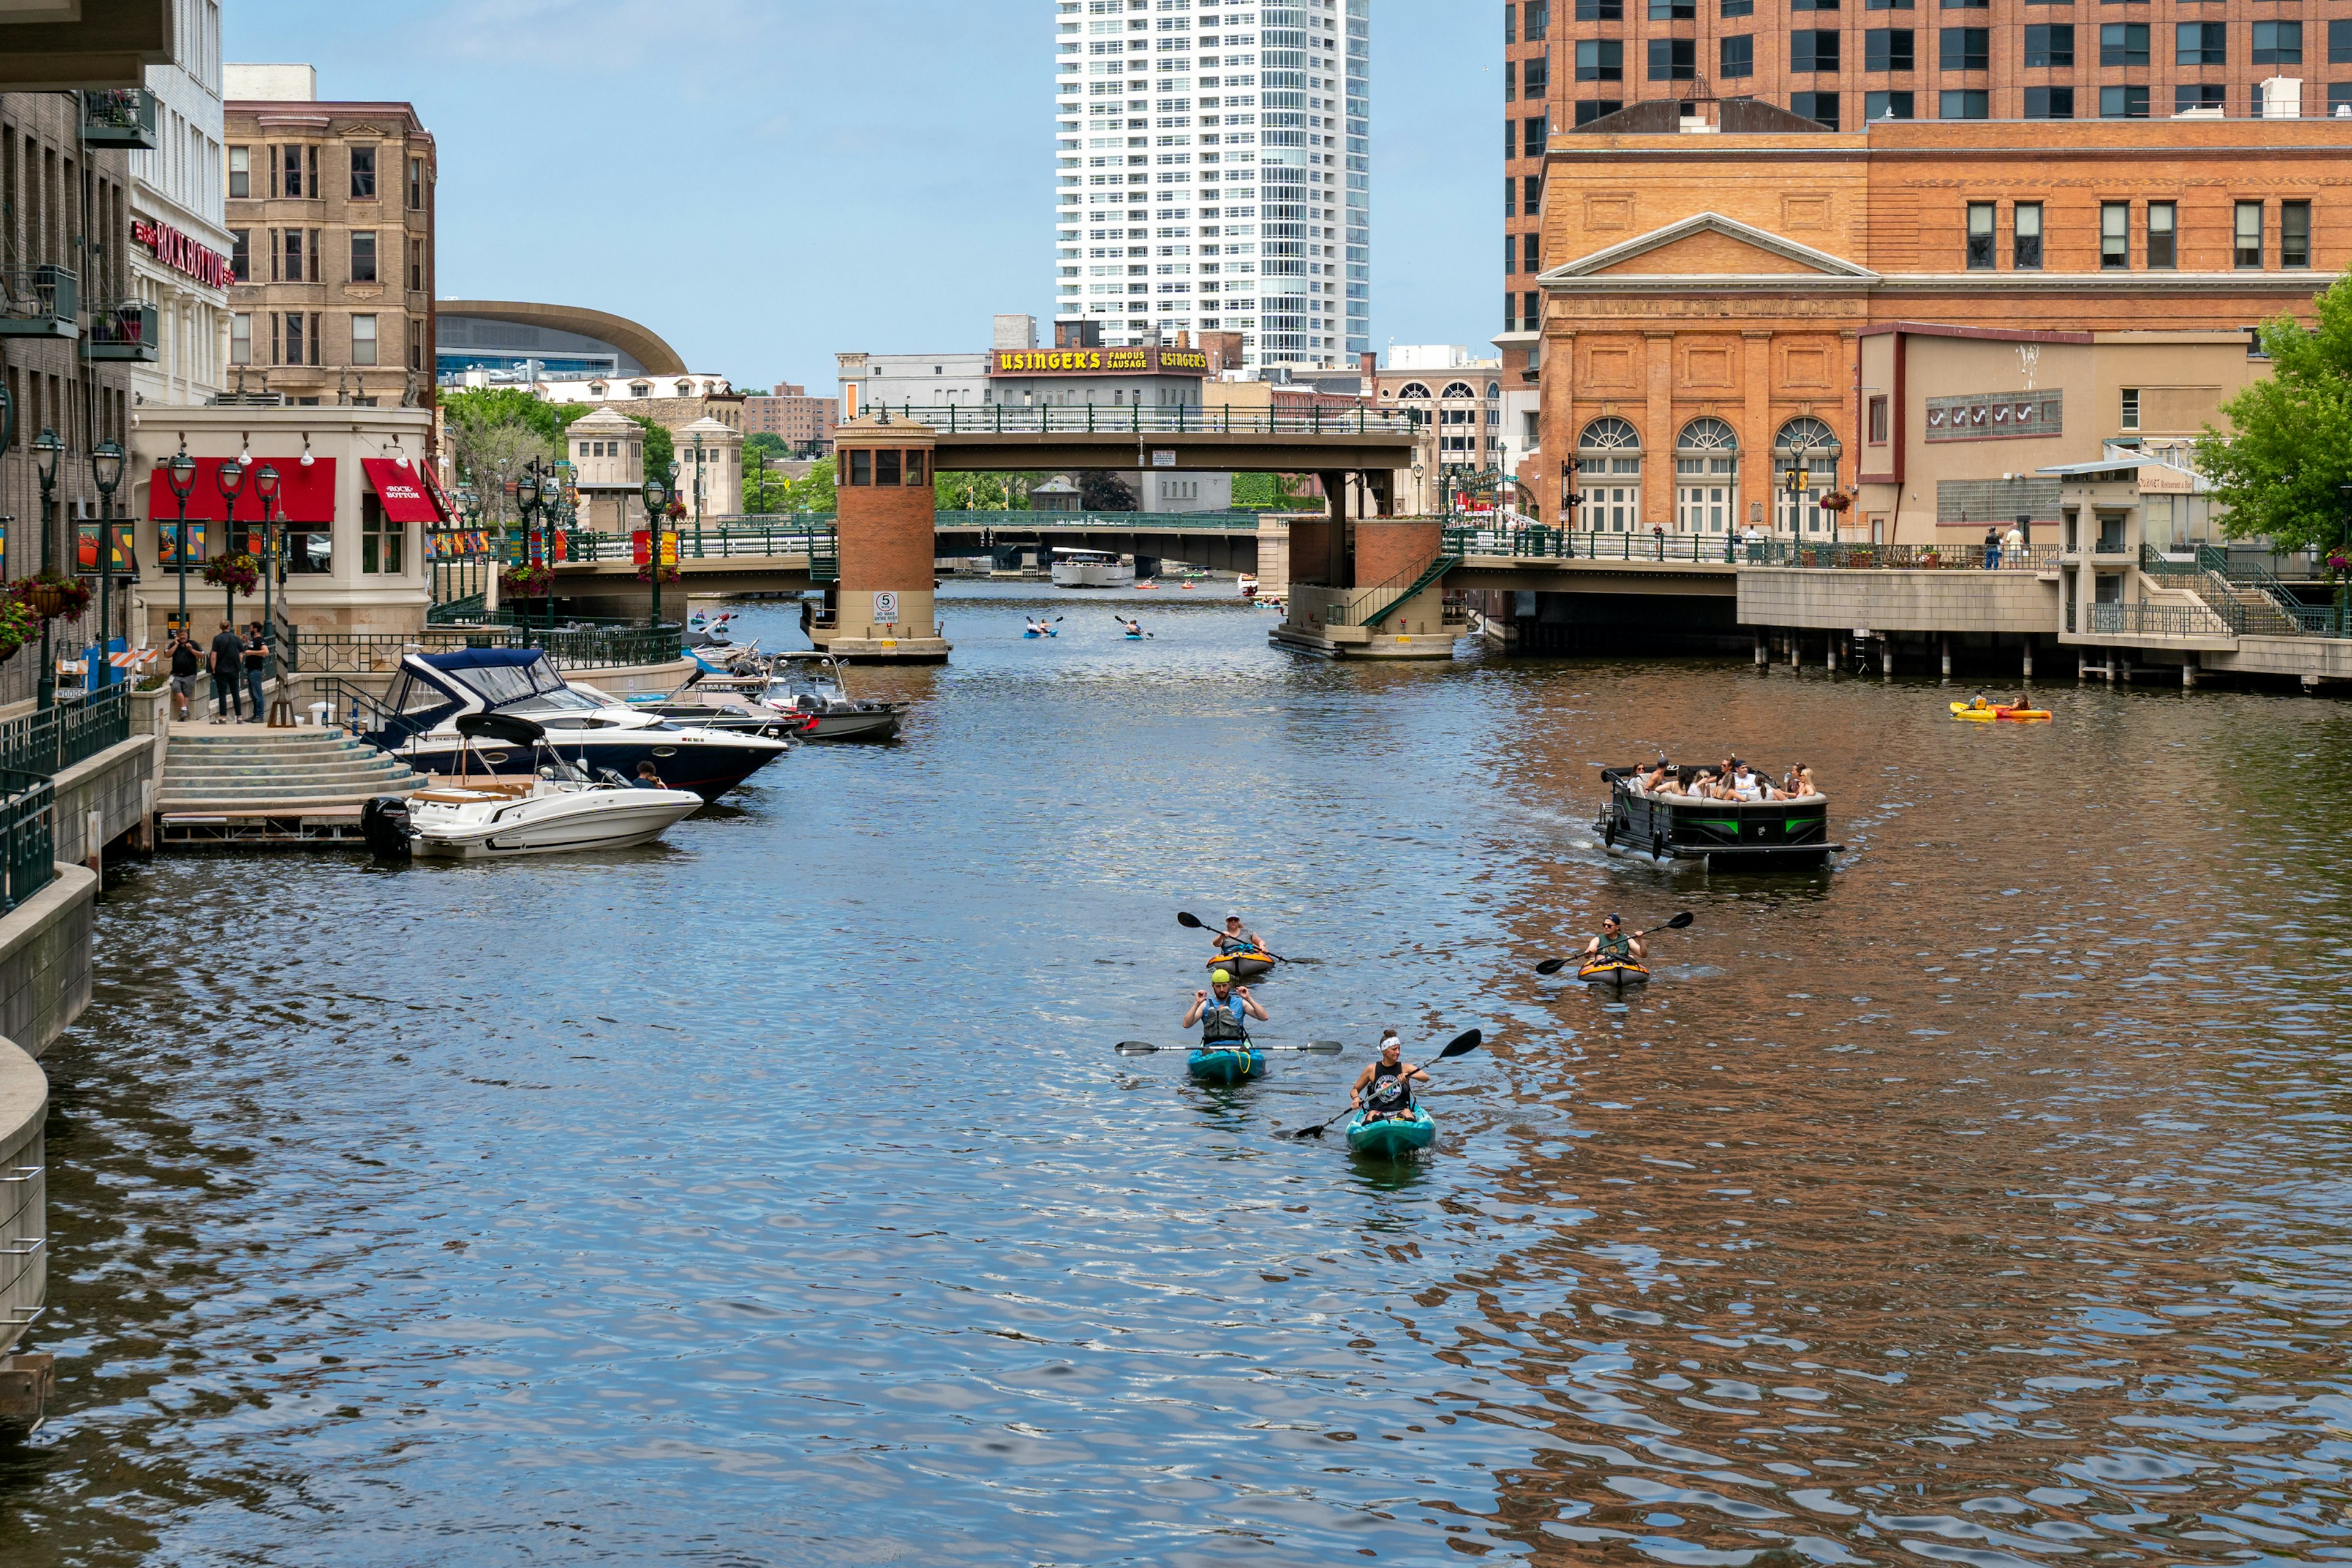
<point x="181" y="248"/>
<point x="1212" y="167"/>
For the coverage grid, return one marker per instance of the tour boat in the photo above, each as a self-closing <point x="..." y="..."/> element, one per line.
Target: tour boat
<point x="1249" y="586"/>
<point x="1753" y="834"/>
<point x="558" y="810"/>
<point x="1075" y="568"/>
<point x="418" y="724"/>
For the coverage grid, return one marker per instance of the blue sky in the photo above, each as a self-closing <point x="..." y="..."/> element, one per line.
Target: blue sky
<point x="765" y="182"/>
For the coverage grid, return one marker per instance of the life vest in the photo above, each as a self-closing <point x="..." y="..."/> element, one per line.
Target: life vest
<point x="1222" y="1021"/>
<point x="1619" y="946"/>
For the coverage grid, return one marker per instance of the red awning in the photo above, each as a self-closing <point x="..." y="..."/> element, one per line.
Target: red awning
<point x="441" y="500"/>
<point x="304" y="495"/>
<point x="404" y="497"/>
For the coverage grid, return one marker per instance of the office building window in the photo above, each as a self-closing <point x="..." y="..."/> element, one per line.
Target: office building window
<point x="2123" y="101"/>
<point x="2114" y="236"/>
<point x="2200" y="44"/>
<point x="363" y="256"/>
<point x="2049" y="103"/>
<point x="1740" y="7"/>
<point x="290" y="249"/>
<point x="1887" y="4"/>
<point x="1887" y="105"/>
<point x="1888" y="49"/>
<point x="1674" y="59"/>
<point x="416" y="265"/>
<point x="240" y="171"/>
<point x="1674" y="10"/>
<point x="1964" y="4"/>
<point x="240" y="255"/>
<point x="1533" y="133"/>
<point x="293" y="349"/>
<point x="1600" y="10"/>
<point x="1736" y="55"/>
<point x="1812" y="5"/>
<point x="1531" y="252"/>
<point x="2160" y="252"/>
<point x="1964" y="103"/>
<point x="363" y="340"/>
<point x="1980" y="237"/>
<point x="2294" y="234"/>
<point x="2248" y="251"/>
<point x="1599" y="59"/>
<point x="362" y="173"/>
<point x="2049" y="45"/>
<point x="2278" y="43"/>
<point x="1878" y="422"/>
<point x="1531" y="191"/>
<point x="2190" y="95"/>
<point x="1811" y="49"/>
<point x="1535" y="15"/>
<point x="240" y="338"/>
<point x="1537" y="72"/>
<point x="2025" y="253"/>
<point x="1822" y="106"/>
<point x="1963" y="49"/>
<point x="1528" y="308"/>
<point x="2122" y="43"/>
<point x="416" y="184"/>
<point x="1510" y="197"/>
<point x="2339" y="45"/>
<point x="2130" y="416"/>
<point x="1589" y="109"/>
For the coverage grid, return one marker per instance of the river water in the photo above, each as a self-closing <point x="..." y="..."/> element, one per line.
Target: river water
<point x="773" y="1196"/>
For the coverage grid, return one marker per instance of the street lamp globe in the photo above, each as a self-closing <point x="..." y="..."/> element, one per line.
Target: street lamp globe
<point x="657" y="494"/>
<point x="526" y="489"/>
<point x="230" y="476"/>
<point x="181" y="473"/>
<point x="48" y="450"/>
<point x="106" y="465"/>
<point x="265" y="482"/>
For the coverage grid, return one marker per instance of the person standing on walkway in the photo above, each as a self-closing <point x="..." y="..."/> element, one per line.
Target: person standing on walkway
<point x="2014" y="545"/>
<point x="1992" y="548"/>
<point x="185" y="662"/>
<point x="257" y="665"/>
<point x="227" y="656"/>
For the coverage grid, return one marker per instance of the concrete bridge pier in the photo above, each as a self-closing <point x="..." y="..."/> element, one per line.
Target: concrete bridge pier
<point x="2188" y="672"/>
<point x="1945" y="645"/>
<point x="2028" y="659"/>
<point x="880" y="611"/>
<point x="1886" y="658"/>
<point x="1348" y="579"/>
<point x="1761" y="661"/>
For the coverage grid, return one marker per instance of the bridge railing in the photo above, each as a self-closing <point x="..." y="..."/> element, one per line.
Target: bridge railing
<point x="746" y="537"/>
<point x="1535" y="543"/>
<point x="1145" y="522"/>
<point x="1859" y="557"/>
<point x="1138" y="419"/>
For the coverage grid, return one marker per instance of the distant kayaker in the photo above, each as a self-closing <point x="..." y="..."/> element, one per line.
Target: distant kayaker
<point x="1384" y="1088"/>
<point x="1224" y="1011"/>
<point x="1134" y="629"/>
<point x="1232" y="939"/>
<point x="1612" y="943"/>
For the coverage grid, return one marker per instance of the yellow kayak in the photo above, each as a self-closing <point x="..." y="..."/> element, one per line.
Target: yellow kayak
<point x="1986" y="715"/>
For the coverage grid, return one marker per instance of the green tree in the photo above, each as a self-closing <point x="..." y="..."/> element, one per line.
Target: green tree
<point x="2289" y="449"/>
<point x="660" y="450"/>
<point x="483" y="406"/>
<point x="1264" y="493"/>
<point x="960" y="491"/>
<point x="760" y="441"/>
<point x="814" y="491"/>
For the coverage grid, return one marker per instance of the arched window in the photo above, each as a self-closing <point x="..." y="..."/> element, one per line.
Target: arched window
<point x="1809" y="449"/>
<point x="1412" y="389"/>
<point x="1494" y="391"/>
<point x="1457" y="389"/>
<point x="1706" y="476"/>
<point x="1609" y="477"/>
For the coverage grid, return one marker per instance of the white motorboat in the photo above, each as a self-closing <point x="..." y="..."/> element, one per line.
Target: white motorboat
<point x="1075" y="568"/>
<point x="558" y="811"/>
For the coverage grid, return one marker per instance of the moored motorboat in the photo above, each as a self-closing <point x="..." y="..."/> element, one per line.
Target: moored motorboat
<point x="1614" y="972"/>
<point x="1226" y="1064"/>
<point x="811" y="684"/>
<point x="1243" y="966"/>
<point x="1391" y="1137"/>
<point x="1078" y="568"/>
<point x="559" y="810"/>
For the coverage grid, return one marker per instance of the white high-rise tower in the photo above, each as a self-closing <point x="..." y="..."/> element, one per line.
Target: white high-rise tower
<point x="1212" y="168"/>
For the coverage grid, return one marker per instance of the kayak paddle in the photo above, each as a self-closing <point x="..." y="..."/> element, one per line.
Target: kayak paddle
<point x="1194" y="923"/>
<point x="1142" y="1047"/>
<point x="1554" y="965"/>
<point x="1461" y="1044"/>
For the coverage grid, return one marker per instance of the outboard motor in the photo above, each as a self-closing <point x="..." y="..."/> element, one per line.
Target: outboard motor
<point x="384" y="823"/>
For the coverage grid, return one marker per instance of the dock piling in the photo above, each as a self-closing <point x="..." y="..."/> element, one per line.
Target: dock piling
<point x="1945" y="645"/>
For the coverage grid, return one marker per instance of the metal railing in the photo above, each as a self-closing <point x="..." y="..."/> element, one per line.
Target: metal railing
<point x="43" y="301"/>
<point x="574" y="646"/>
<point x="1124" y="521"/>
<point x="454" y="612"/>
<point x="1368" y="607"/>
<point x="29" y="826"/>
<point x="1857" y="557"/>
<point x="1135" y="418"/>
<point x="2149" y="618"/>
<point x="49" y="741"/>
<point x="118" y="117"/>
<point x="733" y="542"/>
<point x="1533" y="541"/>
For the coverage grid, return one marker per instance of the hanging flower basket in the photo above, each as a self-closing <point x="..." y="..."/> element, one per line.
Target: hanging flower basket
<point x="645" y="573"/>
<point x="240" y="573"/>
<point x="529" y="581"/>
<point x="52" y="594"/>
<point x="18" y="625"/>
<point x="2339" y="563"/>
<point x="1837" y="501"/>
<point x="677" y="509"/>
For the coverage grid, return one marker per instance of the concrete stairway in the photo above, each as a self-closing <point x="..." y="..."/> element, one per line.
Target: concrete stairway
<point x="258" y="771"/>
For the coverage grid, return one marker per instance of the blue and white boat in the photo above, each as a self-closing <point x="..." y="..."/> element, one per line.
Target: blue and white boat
<point x="418" y="724"/>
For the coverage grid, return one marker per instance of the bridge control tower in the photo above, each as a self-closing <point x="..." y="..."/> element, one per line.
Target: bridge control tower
<point x="879" y="611"/>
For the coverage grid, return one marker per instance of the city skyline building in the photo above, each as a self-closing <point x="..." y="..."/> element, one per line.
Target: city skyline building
<point x="1212" y="167"/>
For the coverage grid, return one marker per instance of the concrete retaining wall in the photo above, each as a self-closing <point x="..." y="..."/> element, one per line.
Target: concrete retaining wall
<point x="107" y="796"/>
<point x="1941" y="599"/>
<point x="2314" y="658"/>
<point x="44" y="986"/>
<point x="24" y="1191"/>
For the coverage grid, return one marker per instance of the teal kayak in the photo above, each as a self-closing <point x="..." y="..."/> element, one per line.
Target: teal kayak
<point x="1228" y="1065"/>
<point x="1394" y="1136"/>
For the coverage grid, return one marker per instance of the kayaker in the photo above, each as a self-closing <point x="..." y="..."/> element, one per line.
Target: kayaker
<point x="1232" y="939"/>
<point x="1384" y="1088"/>
<point x="1224" y="1017"/>
<point x="1134" y="629"/>
<point x="1612" y="943"/>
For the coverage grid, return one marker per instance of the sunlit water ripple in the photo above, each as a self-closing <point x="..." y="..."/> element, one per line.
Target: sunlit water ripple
<point x="773" y="1196"/>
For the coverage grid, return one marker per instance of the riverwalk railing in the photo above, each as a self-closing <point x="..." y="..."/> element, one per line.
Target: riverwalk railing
<point x="51" y="739"/>
<point x="1533" y="541"/>
<point x="29" y="831"/>
<point x="1129" y="521"/>
<point x="1860" y="557"/>
<point x="2156" y="618"/>
<point x="568" y="646"/>
<point x="1138" y="419"/>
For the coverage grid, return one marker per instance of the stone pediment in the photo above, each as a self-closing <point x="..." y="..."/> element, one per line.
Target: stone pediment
<point x="1709" y="244"/>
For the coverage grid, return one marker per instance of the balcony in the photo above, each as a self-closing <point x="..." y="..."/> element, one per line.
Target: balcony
<point x="122" y="331"/>
<point x="119" y="117"/>
<point x="42" y="301"/>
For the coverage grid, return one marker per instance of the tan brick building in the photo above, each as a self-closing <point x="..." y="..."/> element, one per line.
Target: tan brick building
<point x="330" y="209"/>
<point x="802" y="422"/>
<point x="1727" y="308"/>
<point x="1566" y="62"/>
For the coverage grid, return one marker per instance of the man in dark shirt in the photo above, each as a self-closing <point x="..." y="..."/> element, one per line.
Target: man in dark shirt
<point x="257" y="662"/>
<point x="228" y="656"/>
<point x="185" y="662"/>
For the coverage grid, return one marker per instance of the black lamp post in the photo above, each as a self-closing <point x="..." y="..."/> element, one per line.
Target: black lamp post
<point x="180" y="473"/>
<point x="47" y="451"/>
<point x="106" y="470"/>
<point x="656" y="499"/>
<point x="2343" y="591"/>
<point x="265" y="485"/>
<point x="230" y="478"/>
<point x="530" y="497"/>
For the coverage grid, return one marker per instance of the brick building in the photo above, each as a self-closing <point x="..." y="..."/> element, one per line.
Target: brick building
<point x="1567" y="62"/>
<point x="1727" y="307"/>
<point x="331" y="213"/>
<point x="802" y="422"/>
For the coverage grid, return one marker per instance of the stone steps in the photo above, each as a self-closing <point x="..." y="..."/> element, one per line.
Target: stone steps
<point x="252" y="771"/>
